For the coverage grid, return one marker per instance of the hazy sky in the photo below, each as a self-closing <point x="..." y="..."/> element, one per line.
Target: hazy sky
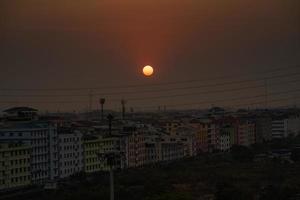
<point x="97" y="43"/>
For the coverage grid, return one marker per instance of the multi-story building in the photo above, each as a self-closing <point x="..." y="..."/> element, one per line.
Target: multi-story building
<point x="226" y="138"/>
<point x="95" y="146"/>
<point x="169" y="148"/>
<point x="135" y="147"/>
<point x="151" y="149"/>
<point x="294" y="125"/>
<point x="163" y="148"/>
<point x="42" y="138"/>
<point x="70" y="152"/>
<point x="284" y="126"/>
<point x="279" y="128"/>
<point x="201" y="135"/>
<point x="224" y="142"/>
<point x="92" y="146"/>
<point x="15" y="165"/>
<point x="116" y="144"/>
<point x="263" y="129"/>
<point x="245" y="133"/>
<point x="172" y="127"/>
<point x="212" y="134"/>
<point x="20" y="113"/>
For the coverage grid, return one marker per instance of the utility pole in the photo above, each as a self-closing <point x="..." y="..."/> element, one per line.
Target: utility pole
<point x="110" y="118"/>
<point x="266" y="93"/>
<point x="102" y="102"/>
<point x="90" y="103"/>
<point x="123" y="102"/>
<point x="111" y="181"/>
<point x="111" y="157"/>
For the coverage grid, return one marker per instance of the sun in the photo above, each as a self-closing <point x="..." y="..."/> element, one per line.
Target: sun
<point x="148" y="70"/>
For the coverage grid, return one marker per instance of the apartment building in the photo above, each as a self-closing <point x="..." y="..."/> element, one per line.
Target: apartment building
<point x="42" y="139"/>
<point x="70" y="152"/>
<point x="94" y="146"/>
<point x="245" y="133"/>
<point x="15" y="165"/>
<point x="135" y="147"/>
<point x="284" y="126"/>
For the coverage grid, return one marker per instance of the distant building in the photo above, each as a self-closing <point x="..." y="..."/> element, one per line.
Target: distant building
<point x="172" y="127"/>
<point x="263" y="129"/>
<point x="201" y="135"/>
<point x="226" y="138"/>
<point x="151" y="149"/>
<point x="224" y="142"/>
<point x="245" y="133"/>
<point x="163" y="148"/>
<point x="285" y="126"/>
<point x="93" y="146"/>
<point x="15" y="165"/>
<point x="20" y="113"/>
<point x="70" y="152"/>
<point x="213" y="133"/>
<point x="42" y="139"/>
<point x="135" y="147"/>
<point x="169" y="149"/>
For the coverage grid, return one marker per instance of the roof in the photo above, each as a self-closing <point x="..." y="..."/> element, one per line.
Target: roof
<point x="20" y="109"/>
<point x="24" y="125"/>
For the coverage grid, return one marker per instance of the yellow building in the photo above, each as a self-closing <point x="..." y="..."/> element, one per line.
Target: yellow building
<point x="95" y="145"/>
<point x="14" y="165"/>
<point x="91" y="147"/>
<point x="172" y="127"/>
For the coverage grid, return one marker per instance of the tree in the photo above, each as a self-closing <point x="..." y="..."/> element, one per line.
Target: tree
<point x="241" y="153"/>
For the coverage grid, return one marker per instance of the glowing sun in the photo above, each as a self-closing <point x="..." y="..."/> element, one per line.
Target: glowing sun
<point x="148" y="70"/>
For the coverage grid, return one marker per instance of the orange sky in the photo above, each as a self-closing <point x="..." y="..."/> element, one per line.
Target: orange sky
<point x="107" y="41"/>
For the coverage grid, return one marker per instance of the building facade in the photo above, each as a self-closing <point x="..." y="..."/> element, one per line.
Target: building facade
<point x="42" y="139"/>
<point x="70" y="152"/>
<point x="15" y="165"/>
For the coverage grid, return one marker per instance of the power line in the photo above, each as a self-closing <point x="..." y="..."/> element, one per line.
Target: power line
<point x="235" y="105"/>
<point x="153" y="91"/>
<point x="231" y="99"/>
<point x="201" y="86"/>
<point x="143" y="85"/>
<point x="159" y="97"/>
<point x="205" y="92"/>
<point x="173" y="105"/>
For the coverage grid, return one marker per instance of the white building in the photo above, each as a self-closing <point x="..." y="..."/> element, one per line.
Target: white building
<point x="187" y="136"/>
<point x="163" y="148"/>
<point x="224" y="142"/>
<point x="285" y="126"/>
<point x="42" y="139"/>
<point x="70" y="152"/>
